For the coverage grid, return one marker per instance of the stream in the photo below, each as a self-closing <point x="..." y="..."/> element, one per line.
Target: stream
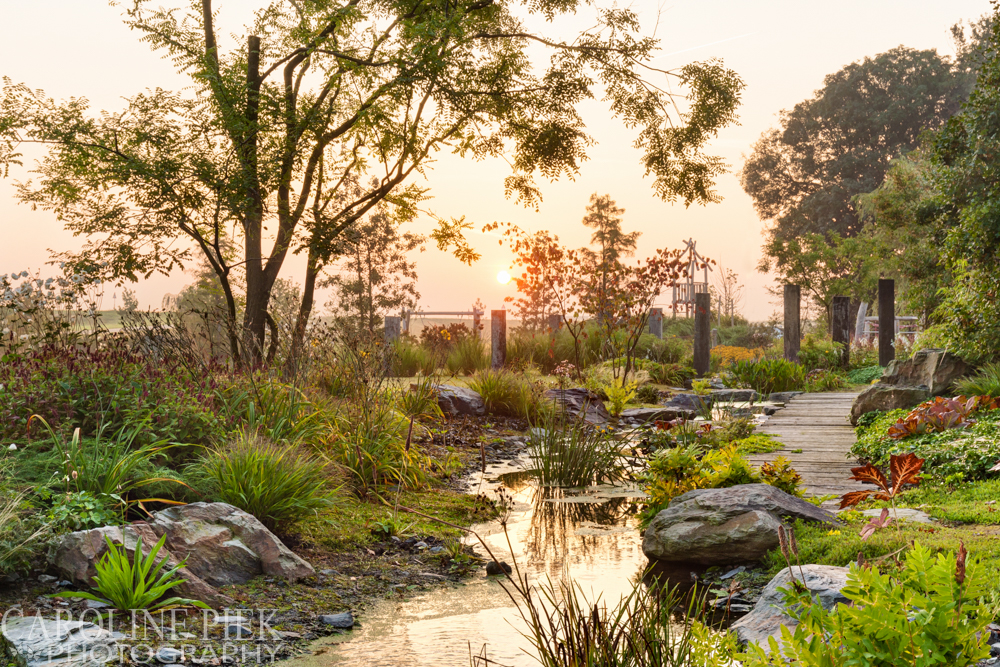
<point x="590" y="533"/>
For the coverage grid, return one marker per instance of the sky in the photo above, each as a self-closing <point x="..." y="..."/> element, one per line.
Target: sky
<point x="781" y="49"/>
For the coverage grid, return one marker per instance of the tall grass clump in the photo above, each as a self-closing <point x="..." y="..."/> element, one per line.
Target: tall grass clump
<point x="279" y="411"/>
<point x="986" y="382"/>
<point x="505" y="393"/>
<point x="467" y="355"/>
<point x="409" y="359"/>
<point x="575" y="454"/>
<point x="420" y="401"/>
<point x="277" y="483"/>
<point x="766" y="375"/>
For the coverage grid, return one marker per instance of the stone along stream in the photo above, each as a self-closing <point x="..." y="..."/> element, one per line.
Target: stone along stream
<point x="591" y="534"/>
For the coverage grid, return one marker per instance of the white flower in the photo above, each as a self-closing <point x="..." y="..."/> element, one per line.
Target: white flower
<point x="12" y="448"/>
<point x="23" y="337"/>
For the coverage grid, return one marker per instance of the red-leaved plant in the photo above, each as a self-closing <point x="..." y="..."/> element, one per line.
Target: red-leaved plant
<point x="941" y="414"/>
<point x="904" y="470"/>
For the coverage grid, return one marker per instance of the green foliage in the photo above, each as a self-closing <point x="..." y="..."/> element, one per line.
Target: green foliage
<point x="672" y="375"/>
<point x="389" y="527"/>
<point x="410" y="359"/>
<point x="647" y="393"/>
<point x="968" y="502"/>
<point x="619" y="396"/>
<point x="927" y="614"/>
<point x="825" y="380"/>
<point x="816" y="352"/>
<point x="467" y="356"/>
<point x="766" y="375"/>
<point x="421" y="400"/>
<point x="279" y="411"/>
<point x="970" y="452"/>
<point x="22" y="532"/>
<point x="758" y="443"/>
<point x="865" y="374"/>
<point x="668" y="350"/>
<point x="81" y="510"/>
<point x="680" y="469"/>
<point x="507" y="393"/>
<point x="985" y="382"/>
<point x="574" y="454"/>
<point x="274" y="482"/>
<point x="125" y="584"/>
<point x="702" y="387"/>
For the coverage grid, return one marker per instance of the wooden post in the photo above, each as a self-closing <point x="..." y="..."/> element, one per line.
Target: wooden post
<point x="702" y="331"/>
<point x="554" y="322"/>
<point x="498" y="338"/>
<point x="656" y="322"/>
<point x="886" y="321"/>
<point x="793" y="331"/>
<point x="715" y="339"/>
<point x="392" y="327"/>
<point x="840" y="319"/>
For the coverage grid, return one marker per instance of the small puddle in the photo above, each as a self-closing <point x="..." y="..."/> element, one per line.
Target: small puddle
<point x="590" y="533"/>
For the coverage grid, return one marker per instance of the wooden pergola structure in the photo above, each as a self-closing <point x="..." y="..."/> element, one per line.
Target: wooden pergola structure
<point x="682" y="300"/>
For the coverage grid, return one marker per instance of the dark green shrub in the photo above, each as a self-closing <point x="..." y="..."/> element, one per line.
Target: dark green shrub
<point x="647" y="393"/>
<point x="409" y="359"/>
<point x="766" y="375"/>
<point x="669" y="350"/>
<point x="865" y="374"/>
<point x="986" y="382"/>
<point x="825" y="380"/>
<point x="467" y="356"/>
<point x="673" y="375"/>
<point x="816" y="352"/>
<point x="506" y="393"/>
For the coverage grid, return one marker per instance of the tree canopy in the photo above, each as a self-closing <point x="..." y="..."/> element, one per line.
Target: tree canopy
<point x="324" y="110"/>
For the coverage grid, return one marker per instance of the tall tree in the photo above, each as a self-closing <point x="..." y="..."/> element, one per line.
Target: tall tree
<point x="318" y="92"/>
<point x="374" y="276"/>
<point x="605" y="218"/>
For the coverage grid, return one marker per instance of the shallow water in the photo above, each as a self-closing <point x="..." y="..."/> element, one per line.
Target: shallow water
<point x="590" y="533"/>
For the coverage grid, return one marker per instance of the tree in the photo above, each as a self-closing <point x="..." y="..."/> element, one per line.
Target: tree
<point x="374" y="277"/>
<point x="604" y="217"/>
<point x="967" y="174"/>
<point x="539" y="257"/>
<point x="728" y="294"/>
<point x="322" y="93"/>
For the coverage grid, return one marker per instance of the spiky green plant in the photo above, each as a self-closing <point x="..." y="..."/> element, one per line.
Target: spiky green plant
<point x="135" y="584"/>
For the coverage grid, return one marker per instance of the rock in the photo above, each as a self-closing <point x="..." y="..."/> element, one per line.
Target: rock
<point x="770" y="410"/>
<point x="885" y="397"/>
<point x="494" y="568"/>
<point x="721" y="526"/>
<point x="459" y="400"/>
<point x="39" y="642"/>
<point x="436" y="550"/>
<point x="94" y="604"/>
<point x="782" y="396"/>
<point x="168" y="655"/>
<point x="934" y="369"/>
<point x="581" y="403"/>
<point x="238" y="631"/>
<point x="735" y="396"/>
<point x="689" y="403"/>
<point x="289" y="634"/>
<point x="47" y="579"/>
<point x="732" y="573"/>
<point x="650" y="415"/>
<point x="768" y="615"/>
<point x="223" y="545"/>
<point x="344" y="620"/>
<point x="904" y="514"/>
<point x="420" y="545"/>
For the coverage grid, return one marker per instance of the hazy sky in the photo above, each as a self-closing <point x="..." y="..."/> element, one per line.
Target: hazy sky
<point x="782" y="49"/>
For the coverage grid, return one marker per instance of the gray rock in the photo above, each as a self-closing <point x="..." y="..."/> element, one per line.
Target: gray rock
<point x="690" y="403"/>
<point x="735" y="396"/>
<point x="436" y="550"/>
<point x="459" y="400"/>
<point x="223" y="545"/>
<point x="995" y="650"/>
<point x="47" y="579"/>
<point x="649" y="415"/>
<point x="934" y="369"/>
<point x="732" y="573"/>
<point x="885" y="397"/>
<point x="824" y="582"/>
<point x="581" y="403"/>
<point x="38" y="642"/>
<point x="238" y="631"/>
<point x="168" y="655"/>
<point x="783" y="396"/>
<point x="494" y="568"/>
<point x="904" y="514"/>
<point x="420" y="545"/>
<point x="721" y="526"/>
<point x="344" y="620"/>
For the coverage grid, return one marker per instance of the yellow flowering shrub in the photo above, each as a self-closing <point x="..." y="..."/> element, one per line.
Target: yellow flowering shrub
<point x="727" y="354"/>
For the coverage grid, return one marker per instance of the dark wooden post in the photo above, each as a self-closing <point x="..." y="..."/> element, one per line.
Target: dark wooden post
<point x="392" y="329"/>
<point x="840" y="320"/>
<point x="886" y="321"/>
<point x="792" y="331"/>
<point x="656" y="322"/>
<point x="498" y="338"/>
<point x="702" y="331"/>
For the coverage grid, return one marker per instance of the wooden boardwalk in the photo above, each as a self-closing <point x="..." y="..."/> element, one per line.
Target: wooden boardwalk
<point x="818" y="425"/>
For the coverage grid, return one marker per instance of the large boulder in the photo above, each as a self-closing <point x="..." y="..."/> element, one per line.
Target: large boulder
<point x="936" y="370"/>
<point x="691" y="403"/>
<point x="222" y="544"/>
<point x="38" y="642"/>
<point x="885" y="397"/>
<point x="644" y="415"/>
<point x="735" y="396"/>
<point x="769" y="614"/>
<point x="580" y="403"/>
<point x="722" y="526"/>
<point x="459" y="400"/>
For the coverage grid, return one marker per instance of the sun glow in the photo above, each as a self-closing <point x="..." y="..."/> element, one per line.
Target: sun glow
<point x="503" y="277"/>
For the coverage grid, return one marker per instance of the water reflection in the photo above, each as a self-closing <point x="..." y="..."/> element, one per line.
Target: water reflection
<point x="590" y="533"/>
